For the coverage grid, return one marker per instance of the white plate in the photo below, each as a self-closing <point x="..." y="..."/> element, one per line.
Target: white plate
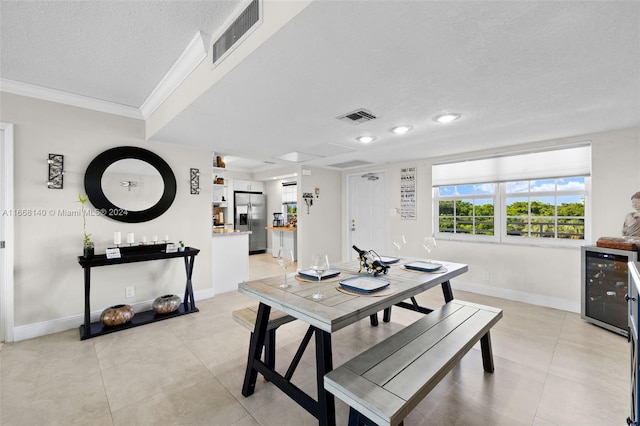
<point x="313" y="275"/>
<point x="364" y="284"/>
<point x="389" y="260"/>
<point x="419" y="265"/>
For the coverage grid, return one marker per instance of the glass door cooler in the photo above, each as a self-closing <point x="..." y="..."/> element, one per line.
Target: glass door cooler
<point x="605" y="283"/>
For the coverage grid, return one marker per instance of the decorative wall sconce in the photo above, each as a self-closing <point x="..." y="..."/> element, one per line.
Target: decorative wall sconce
<point x="56" y="171"/>
<point x="195" y="181"/>
<point x="308" y="200"/>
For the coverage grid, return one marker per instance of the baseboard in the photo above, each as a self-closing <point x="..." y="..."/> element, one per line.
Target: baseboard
<point x="518" y="296"/>
<point x="57" y="325"/>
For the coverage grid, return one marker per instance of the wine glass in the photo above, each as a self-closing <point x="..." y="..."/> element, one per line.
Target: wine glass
<point x="320" y="264"/>
<point x="399" y="244"/>
<point x="285" y="259"/>
<point x="429" y="243"/>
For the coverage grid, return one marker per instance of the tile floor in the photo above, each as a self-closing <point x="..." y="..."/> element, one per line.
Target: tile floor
<point x="551" y="369"/>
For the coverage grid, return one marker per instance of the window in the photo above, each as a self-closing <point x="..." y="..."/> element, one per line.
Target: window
<point x="289" y="200"/>
<point x="467" y="209"/>
<point x="521" y="203"/>
<point x="548" y="208"/>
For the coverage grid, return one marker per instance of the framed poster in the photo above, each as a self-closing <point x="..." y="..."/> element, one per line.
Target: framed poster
<point x="408" y="193"/>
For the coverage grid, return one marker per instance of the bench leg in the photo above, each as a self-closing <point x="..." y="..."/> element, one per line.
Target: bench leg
<point x="255" y="349"/>
<point x="487" y="353"/>
<point x="387" y="315"/>
<point x="374" y="320"/>
<point x="357" y="419"/>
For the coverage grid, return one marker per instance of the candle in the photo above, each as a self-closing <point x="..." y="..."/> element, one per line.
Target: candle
<point x="130" y="238"/>
<point x="117" y="238"/>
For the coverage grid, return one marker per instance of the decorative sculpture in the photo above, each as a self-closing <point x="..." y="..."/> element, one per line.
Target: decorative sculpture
<point x="631" y="226"/>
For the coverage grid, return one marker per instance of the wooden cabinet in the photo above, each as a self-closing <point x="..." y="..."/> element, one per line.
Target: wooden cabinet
<point x="247" y="185"/>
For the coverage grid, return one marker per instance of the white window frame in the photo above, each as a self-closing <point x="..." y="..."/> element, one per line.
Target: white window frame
<point x="500" y="217"/>
<point x="464" y="236"/>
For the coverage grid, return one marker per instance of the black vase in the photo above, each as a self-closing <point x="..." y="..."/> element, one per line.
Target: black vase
<point x="88" y="251"/>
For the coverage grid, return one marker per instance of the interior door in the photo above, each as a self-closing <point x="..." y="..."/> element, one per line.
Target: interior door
<point x="367" y="207"/>
<point x="6" y="232"/>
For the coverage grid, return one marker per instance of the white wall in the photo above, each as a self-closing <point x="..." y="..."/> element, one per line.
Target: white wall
<point x="539" y="275"/>
<point x="319" y="231"/>
<point x="48" y="279"/>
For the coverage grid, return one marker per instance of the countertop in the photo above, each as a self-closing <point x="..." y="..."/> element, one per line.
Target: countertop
<point x="221" y="232"/>
<point x="281" y="228"/>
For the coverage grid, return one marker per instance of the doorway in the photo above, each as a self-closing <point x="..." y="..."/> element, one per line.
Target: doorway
<point x="367" y="195"/>
<point x="6" y="232"/>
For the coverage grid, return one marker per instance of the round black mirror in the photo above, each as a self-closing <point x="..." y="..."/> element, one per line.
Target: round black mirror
<point x="95" y="183"/>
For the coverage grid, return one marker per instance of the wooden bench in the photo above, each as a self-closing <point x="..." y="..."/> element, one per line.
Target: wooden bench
<point x="246" y="317"/>
<point x="383" y="384"/>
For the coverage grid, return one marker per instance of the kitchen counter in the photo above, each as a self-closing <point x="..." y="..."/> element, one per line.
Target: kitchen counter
<point x="281" y="228"/>
<point x="222" y="232"/>
<point x="230" y="259"/>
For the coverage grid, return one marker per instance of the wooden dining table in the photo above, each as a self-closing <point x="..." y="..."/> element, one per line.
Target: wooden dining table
<point x="335" y="310"/>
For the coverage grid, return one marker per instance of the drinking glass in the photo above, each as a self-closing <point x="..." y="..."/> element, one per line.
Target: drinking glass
<point x="398" y="244"/>
<point x="429" y="243"/>
<point x="285" y="259"/>
<point x="320" y="264"/>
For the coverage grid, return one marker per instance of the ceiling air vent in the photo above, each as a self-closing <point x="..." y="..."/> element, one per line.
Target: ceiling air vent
<point x="247" y="19"/>
<point x="358" y="116"/>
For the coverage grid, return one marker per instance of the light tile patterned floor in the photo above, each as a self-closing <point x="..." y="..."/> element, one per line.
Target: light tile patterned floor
<point x="552" y="368"/>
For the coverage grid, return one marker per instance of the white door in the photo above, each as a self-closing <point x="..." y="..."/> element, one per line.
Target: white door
<point x="6" y="232"/>
<point x="367" y="206"/>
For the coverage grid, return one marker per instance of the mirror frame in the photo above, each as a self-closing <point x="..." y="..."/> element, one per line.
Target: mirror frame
<point x="93" y="184"/>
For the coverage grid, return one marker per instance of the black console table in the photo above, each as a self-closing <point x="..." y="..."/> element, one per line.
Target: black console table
<point x="89" y="329"/>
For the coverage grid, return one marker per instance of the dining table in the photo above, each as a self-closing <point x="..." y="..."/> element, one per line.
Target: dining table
<point x="336" y="308"/>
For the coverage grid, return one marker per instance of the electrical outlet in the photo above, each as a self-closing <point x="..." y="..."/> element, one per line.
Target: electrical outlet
<point x="129" y="292"/>
<point x="485" y="276"/>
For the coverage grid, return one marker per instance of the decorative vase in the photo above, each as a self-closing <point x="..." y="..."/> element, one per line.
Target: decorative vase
<point x="88" y="251"/>
<point x="166" y="304"/>
<point x="181" y="249"/>
<point x="117" y="315"/>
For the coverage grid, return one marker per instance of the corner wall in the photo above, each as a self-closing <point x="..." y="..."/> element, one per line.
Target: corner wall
<point x="48" y="280"/>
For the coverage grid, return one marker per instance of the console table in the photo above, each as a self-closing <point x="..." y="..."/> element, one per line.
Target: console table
<point x="89" y="329"/>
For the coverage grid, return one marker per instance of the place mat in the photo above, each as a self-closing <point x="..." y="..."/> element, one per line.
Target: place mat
<point x="326" y="280"/>
<point x="384" y="292"/>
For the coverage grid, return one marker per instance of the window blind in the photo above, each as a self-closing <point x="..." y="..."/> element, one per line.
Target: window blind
<point x="563" y="162"/>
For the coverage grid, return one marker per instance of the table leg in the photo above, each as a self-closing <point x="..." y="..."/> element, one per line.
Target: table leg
<point x="324" y="364"/>
<point x="255" y="349"/>
<point x="189" y="301"/>
<point x="447" y="292"/>
<point x="87" y="302"/>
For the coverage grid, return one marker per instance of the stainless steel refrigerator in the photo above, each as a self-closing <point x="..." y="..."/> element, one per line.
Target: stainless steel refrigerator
<point x="250" y="211"/>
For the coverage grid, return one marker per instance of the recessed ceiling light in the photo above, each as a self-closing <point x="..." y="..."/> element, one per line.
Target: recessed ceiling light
<point x="399" y="130"/>
<point x="447" y="118"/>
<point x="365" y="139"/>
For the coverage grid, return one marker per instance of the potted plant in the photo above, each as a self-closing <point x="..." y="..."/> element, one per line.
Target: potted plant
<point x="88" y="247"/>
<point x="181" y="248"/>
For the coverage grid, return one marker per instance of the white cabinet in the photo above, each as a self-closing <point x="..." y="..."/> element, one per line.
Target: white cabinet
<point x="247" y="185"/>
<point x="286" y="239"/>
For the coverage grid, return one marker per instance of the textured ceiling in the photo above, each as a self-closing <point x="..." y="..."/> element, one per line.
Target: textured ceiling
<point x="117" y="51"/>
<point x="517" y="71"/>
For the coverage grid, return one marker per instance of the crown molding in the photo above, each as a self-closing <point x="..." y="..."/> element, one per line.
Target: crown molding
<point x="39" y="92"/>
<point x="192" y="56"/>
<point x="53" y="95"/>
<point x="195" y="52"/>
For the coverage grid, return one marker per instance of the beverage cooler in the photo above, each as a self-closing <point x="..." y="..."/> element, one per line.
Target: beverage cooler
<point x="605" y="283"/>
